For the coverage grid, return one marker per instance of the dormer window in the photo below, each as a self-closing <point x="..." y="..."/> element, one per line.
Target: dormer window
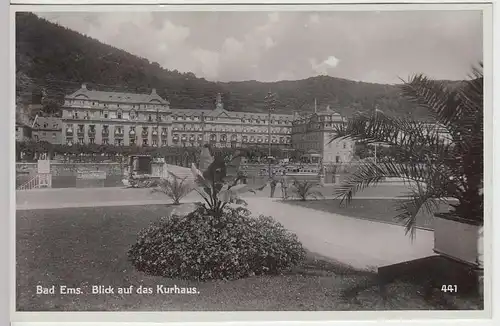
<point x="119" y="114"/>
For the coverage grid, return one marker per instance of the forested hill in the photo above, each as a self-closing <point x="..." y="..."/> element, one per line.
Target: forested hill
<point x="56" y="60"/>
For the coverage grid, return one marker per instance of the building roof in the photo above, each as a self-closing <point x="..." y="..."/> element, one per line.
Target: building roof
<point x="85" y="93"/>
<point x="47" y="123"/>
<point x="93" y="95"/>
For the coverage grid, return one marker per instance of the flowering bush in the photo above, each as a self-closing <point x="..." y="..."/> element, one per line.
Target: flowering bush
<point x="201" y="246"/>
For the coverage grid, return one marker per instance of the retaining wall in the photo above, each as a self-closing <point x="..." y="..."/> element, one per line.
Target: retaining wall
<point x="64" y="175"/>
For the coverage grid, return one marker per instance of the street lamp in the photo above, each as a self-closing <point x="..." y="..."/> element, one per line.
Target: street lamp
<point x="270" y="101"/>
<point x="375" y="113"/>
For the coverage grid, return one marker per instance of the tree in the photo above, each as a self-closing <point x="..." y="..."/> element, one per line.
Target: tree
<point x="451" y="149"/>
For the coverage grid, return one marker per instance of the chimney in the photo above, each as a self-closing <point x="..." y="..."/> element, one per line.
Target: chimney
<point x="153" y="91"/>
<point x="84" y="86"/>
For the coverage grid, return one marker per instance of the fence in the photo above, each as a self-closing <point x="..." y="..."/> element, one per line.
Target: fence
<point x="66" y="175"/>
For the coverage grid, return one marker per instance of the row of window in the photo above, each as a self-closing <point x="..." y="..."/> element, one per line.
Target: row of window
<point x="118" y="129"/>
<point x="322" y="118"/>
<point x="116" y="105"/>
<point x="224" y="129"/>
<point x="133" y="115"/>
<point x="225" y="138"/>
<point x="105" y="129"/>
<point x="117" y="141"/>
<point x="243" y="120"/>
<point x="154" y="142"/>
<point x="104" y="114"/>
<point x="315" y="126"/>
<point x="317" y="145"/>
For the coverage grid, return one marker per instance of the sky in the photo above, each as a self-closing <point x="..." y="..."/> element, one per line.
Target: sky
<point x="377" y="47"/>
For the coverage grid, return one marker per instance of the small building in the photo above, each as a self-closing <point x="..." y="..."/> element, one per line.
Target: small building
<point x="23" y="132"/>
<point x="23" y="124"/>
<point x="47" y="129"/>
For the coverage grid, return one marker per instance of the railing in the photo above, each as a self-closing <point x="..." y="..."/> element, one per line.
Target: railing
<point x="31" y="184"/>
<point x="38" y="181"/>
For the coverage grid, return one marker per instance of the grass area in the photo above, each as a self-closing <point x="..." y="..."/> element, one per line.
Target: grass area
<point x="81" y="247"/>
<point x="380" y="210"/>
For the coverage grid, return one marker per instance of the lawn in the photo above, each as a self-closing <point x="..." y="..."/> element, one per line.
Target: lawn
<point x="81" y="247"/>
<point x="380" y="210"/>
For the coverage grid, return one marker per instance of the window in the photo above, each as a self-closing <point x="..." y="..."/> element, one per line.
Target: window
<point x="155" y="142"/>
<point x="105" y="142"/>
<point x="150" y="118"/>
<point x="344" y="145"/>
<point x="337" y="159"/>
<point x="164" y="142"/>
<point x="144" y="142"/>
<point x="92" y="140"/>
<point x="119" y="113"/>
<point x="106" y="114"/>
<point x="132" y="141"/>
<point x="80" y="140"/>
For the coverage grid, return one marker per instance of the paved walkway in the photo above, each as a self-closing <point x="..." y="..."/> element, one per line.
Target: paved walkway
<point x="359" y="243"/>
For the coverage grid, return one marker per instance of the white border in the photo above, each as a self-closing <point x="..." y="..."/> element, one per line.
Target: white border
<point x="224" y="2"/>
<point x="266" y="316"/>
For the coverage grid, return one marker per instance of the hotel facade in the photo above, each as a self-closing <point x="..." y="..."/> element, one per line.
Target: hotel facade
<point x="96" y="117"/>
<point x="124" y="119"/>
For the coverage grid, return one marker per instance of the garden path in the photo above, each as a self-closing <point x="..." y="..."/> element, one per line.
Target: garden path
<point x="361" y="244"/>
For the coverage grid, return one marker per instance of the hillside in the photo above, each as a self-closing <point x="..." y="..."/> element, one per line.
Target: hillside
<point x="56" y="60"/>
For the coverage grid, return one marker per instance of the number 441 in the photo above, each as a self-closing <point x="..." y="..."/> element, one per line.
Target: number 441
<point x="449" y="288"/>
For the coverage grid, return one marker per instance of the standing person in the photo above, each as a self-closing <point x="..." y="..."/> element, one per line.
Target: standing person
<point x="284" y="186"/>
<point x="273" y="184"/>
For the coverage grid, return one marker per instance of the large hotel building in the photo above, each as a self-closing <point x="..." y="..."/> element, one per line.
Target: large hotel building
<point x="96" y="117"/>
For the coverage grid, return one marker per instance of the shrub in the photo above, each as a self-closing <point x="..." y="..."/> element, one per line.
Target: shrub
<point x="200" y="246"/>
<point x="303" y="190"/>
<point x="174" y="187"/>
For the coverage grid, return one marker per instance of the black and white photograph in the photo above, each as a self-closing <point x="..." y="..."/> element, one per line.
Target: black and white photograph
<point x="232" y="159"/>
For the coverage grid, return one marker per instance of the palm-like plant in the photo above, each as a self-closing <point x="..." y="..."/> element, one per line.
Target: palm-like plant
<point x="174" y="187"/>
<point x="219" y="181"/>
<point x="453" y="165"/>
<point x="303" y="189"/>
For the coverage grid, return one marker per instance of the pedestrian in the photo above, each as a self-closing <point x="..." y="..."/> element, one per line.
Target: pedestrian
<point x="273" y="184"/>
